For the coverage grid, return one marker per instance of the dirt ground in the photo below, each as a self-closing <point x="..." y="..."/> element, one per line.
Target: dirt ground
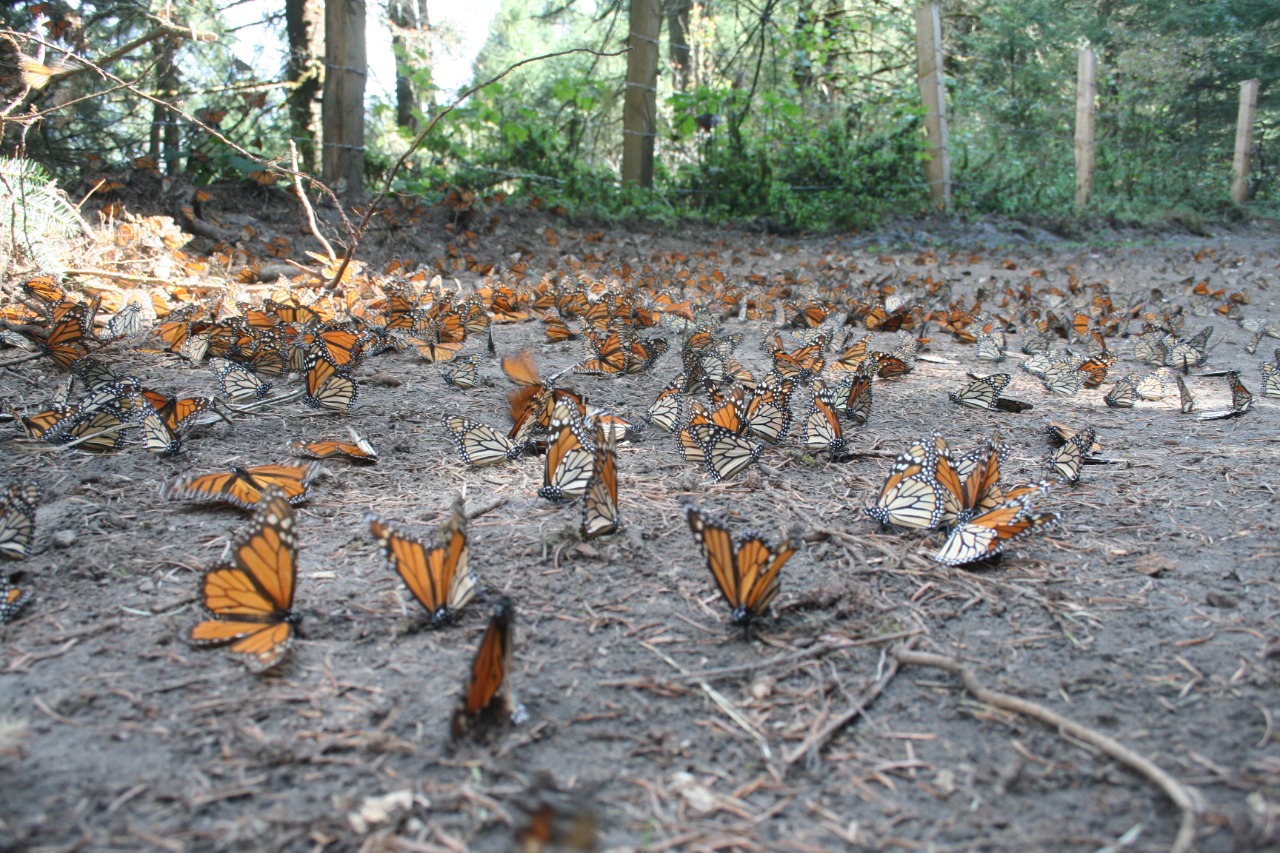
<point x="1150" y="615"/>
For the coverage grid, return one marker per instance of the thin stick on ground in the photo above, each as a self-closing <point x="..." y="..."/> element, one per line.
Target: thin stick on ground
<point x="815" y="741"/>
<point x="1184" y="797"/>
<point x="306" y="203"/>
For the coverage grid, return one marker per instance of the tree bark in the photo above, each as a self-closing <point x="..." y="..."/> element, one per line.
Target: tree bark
<point x="679" y="53"/>
<point x="411" y="42"/>
<point x="346" y="69"/>
<point x="304" y="26"/>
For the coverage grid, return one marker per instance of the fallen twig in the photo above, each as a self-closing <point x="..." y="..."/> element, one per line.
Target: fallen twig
<point x="814" y="742"/>
<point x="725" y="705"/>
<point x="1184" y="797"/>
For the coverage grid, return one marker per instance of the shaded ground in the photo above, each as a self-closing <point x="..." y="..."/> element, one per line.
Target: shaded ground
<point x="1150" y="615"/>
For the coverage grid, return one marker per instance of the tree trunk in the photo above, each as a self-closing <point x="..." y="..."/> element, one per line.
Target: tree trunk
<point x="166" y="139"/>
<point x="679" y="52"/>
<point x="411" y="42"/>
<point x="640" y="108"/>
<point x="304" y="25"/>
<point x="346" y="68"/>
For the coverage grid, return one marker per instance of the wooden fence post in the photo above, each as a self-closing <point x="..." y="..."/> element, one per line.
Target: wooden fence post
<point x="640" y="107"/>
<point x="1244" y="141"/>
<point x="933" y="95"/>
<point x="346" y="67"/>
<point x="1086" y="94"/>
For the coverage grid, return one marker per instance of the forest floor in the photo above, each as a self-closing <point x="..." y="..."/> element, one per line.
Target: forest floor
<point x="1151" y="614"/>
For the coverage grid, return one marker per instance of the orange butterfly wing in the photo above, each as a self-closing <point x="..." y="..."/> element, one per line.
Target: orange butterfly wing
<point x="485" y="701"/>
<point x="251" y="597"/>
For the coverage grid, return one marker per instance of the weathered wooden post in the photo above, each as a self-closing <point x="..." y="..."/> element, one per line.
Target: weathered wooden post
<point x="346" y="68"/>
<point x="1086" y="95"/>
<point x="1244" y="141"/>
<point x="934" y="97"/>
<point x="640" y="107"/>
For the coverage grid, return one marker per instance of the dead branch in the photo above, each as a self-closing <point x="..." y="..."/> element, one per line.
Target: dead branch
<point x="814" y="742"/>
<point x="1184" y="797"/>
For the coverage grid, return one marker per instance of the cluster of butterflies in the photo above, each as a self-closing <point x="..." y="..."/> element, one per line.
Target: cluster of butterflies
<point x="721" y="415"/>
<point x="929" y="487"/>
<point x="249" y="598"/>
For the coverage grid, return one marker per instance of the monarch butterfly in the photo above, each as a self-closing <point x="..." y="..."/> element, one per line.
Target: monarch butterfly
<point x="983" y="392"/>
<point x="45" y="288"/>
<point x="479" y="444"/>
<point x="250" y="598"/>
<point x="245" y="487"/>
<point x="98" y="430"/>
<point x="989" y="348"/>
<point x="726" y="453"/>
<point x="126" y="322"/>
<point x="1036" y="341"/>
<point x="1271" y="379"/>
<point x="555" y="821"/>
<point x="986" y="535"/>
<point x="728" y="414"/>
<point x="911" y="495"/>
<point x="1124" y="393"/>
<point x="970" y="483"/>
<point x="339" y="344"/>
<point x="557" y="330"/>
<point x="1063" y="377"/>
<point x="436" y="574"/>
<point x="1067" y="460"/>
<point x="156" y="435"/>
<point x="853" y="397"/>
<point x="890" y="365"/>
<point x="488" y="701"/>
<point x="176" y="411"/>
<point x="436" y="351"/>
<point x="1094" y="369"/>
<point x="822" y="431"/>
<point x="266" y="360"/>
<point x="1186" y="402"/>
<point x="1188" y="352"/>
<point x="12" y="599"/>
<point x="666" y="411"/>
<point x="237" y="381"/>
<point x="801" y="365"/>
<point x="357" y="450"/>
<point x="768" y="411"/>
<point x="328" y="387"/>
<point x="570" y="458"/>
<point x="1241" y="401"/>
<point x="18" y="520"/>
<point x="746" y="567"/>
<point x="65" y="340"/>
<point x="610" y="357"/>
<point x="463" y="373"/>
<point x="600" y="504"/>
<point x="853" y="355"/>
<point x="194" y="347"/>
<point x="1149" y="347"/>
<point x="1150" y="387"/>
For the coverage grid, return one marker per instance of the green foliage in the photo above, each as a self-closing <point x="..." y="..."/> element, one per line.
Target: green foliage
<point x="35" y="217"/>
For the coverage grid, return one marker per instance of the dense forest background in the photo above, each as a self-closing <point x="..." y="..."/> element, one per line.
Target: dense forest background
<point x="796" y="113"/>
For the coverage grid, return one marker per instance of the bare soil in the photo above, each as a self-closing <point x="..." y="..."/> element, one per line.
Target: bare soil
<point x="1151" y="615"/>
